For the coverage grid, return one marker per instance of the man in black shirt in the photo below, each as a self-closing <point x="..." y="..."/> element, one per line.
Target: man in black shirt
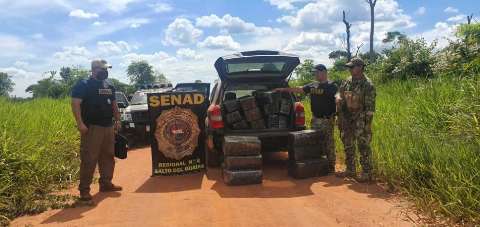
<point x="322" y="100"/>
<point x="94" y="107"/>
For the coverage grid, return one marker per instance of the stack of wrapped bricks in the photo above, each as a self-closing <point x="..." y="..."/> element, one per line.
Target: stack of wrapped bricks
<point x="242" y="160"/>
<point x="261" y="111"/>
<point x="306" y="158"/>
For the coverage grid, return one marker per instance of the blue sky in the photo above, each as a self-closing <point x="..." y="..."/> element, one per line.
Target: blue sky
<point x="182" y="39"/>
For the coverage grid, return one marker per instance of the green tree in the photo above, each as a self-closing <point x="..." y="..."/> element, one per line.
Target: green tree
<point x="58" y="88"/>
<point x="304" y="73"/>
<point x="394" y="36"/>
<point x="160" y="77"/>
<point x="140" y="72"/>
<point x="123" y="87"/>
<point x="6" y="84"/>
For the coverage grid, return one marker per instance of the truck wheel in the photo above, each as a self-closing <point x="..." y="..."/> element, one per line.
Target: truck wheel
<point x="243" y="162"/>
<point x="241" y="146"/>
<point x="308" y="168"/>
<point x="242" y="177"/>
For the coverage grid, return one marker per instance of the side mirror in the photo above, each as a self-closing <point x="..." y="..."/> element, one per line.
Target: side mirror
<point x="122" y="105"/>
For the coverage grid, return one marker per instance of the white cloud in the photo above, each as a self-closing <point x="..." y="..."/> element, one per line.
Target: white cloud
<point x="307" y="40"/>
<point x="79" y="13"/>
<point x="181" y="32"/>
<point x="107" y="48"/>
<point x="442" y="33"/>
<point x="73" y="55"/>
<point x="138" y="22"/>
<point x="21" y="64"/>
<point x="421" y="11"/>
<point x="231" y="24"/>
<point x="161" y="7"/>
<point x="458" y="18"/>
<point x="187" y="53"/>
<point x="285" y="4"/>
<point x="322" y="15"/>
<point x="114" y="5"/>
<point x="450" y="10"/>
<point x="11" y="45"/>
<point x="225" y="42"/>
<point x="99" y="23"/>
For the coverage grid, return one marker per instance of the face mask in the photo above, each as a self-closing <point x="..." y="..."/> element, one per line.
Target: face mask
<point x="102" y="75"/>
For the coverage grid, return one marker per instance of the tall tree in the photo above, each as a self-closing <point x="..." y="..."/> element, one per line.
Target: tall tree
<point x="372" y="4"/>
<point x="6" y="84"/>
<point x="348" y="25"/>
<point x="140" y="72"/>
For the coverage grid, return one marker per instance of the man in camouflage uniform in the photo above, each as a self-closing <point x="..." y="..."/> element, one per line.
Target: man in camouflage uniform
<point x="356" y="106"/>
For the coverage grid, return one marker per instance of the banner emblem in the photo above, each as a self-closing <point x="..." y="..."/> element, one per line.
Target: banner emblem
<point x="177" y="132"/>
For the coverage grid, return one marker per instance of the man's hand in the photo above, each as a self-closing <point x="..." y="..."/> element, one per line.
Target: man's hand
<point x="279" y="89"/>
<point x="82" y="128"/>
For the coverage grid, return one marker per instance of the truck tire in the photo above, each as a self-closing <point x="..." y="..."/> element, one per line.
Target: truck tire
<point x="241" y="146"/>
<point x="308" y="168"/>
<point x="300" y="153"/>
<point x="243" y="162"/>
<point x="304" y="137"/>
<point x="242" y="177"/>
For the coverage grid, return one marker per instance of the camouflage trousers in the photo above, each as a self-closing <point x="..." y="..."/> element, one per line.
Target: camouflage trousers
<point x="325" y="127"/>
<point x="356" y="132"/>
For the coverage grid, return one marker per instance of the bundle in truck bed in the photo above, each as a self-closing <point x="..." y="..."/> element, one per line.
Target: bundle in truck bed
<point x="265" y="109"/>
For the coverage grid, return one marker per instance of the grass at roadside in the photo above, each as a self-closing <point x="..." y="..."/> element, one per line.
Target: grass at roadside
<point x="426" y="142"/>
<point x="38" y="155"/>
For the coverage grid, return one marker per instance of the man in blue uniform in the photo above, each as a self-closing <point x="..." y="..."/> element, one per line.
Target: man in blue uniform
<point x="94" y="108"/>
<point x="322" y="100"/>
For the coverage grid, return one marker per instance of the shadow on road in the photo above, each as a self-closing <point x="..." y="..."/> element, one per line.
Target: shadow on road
<point x="70" y="214"/>
<point x="165" y="184"/>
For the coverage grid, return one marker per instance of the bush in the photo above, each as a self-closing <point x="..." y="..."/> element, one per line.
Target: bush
<point x="408" y="59"/>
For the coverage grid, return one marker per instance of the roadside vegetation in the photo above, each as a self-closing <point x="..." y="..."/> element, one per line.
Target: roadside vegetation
<point x="38" y="155"/>
<point x="426" y="132"/>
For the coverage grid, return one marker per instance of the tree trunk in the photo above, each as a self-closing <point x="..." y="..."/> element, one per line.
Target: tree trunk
<point x="347" y="28"/>
<point x="372" y="4"/>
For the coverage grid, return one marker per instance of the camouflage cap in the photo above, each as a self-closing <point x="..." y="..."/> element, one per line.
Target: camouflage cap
<point x="355" y="62"/>
<point x="100" y="63"/>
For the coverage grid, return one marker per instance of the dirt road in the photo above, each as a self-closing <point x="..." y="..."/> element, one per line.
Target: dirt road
<point x="203" y="200"/>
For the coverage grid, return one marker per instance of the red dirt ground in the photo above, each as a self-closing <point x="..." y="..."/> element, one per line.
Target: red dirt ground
<point x="204" y="200"/>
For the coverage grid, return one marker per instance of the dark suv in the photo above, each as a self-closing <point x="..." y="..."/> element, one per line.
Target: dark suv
<point x="135" y="118"/>
<point x="243" y="104"/>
